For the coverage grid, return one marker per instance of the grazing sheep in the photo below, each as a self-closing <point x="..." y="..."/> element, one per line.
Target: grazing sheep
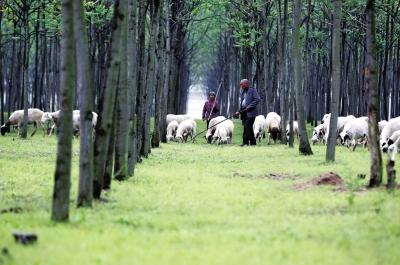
<point x="341" y="122"/>
<point x="178" y="118"/>
<point x="171" y="130"/>
<point x="355" y="129"/>
<point x="273" y="123"/>
<point x="17" y="119"/>
<point x="318" y="134"/>
<point x="212" y="127"/>
<point x="224" y="132"/>
<point x="295" y="130"/>
<point x="392" y="126"/>
<point x="382" y="125"/>
<point x="76" y="120"/>
<point x="185" y="129"/>
<point x="391" y="140"/>
<point x="393" y="149"/>
<point x="259" y="127"/>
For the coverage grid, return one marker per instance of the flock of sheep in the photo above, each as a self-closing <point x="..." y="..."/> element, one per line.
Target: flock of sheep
<point x="38" y="117"/>
<point x="350" y="130"/>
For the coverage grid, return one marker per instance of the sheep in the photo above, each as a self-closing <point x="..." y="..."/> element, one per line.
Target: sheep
<point x="76" y="119"/>
<point x="392" y="126"/>
<point x="393" y="149"/>
<point x="295" y="130"/>
<point x="17" y="119"/>
<point x="341" y="122"/>
<point x="273" y="123"/>
<point x="212" y="127"/>
<point x="171" y="130"/>
<point x="391" y="140"/>
<point x="178" y="118"/>
<point x="382" y="125"/>
<point x="259" y="127"/>
<point x="318" y="134"/>
<point x="355" y="129"/>
<point x="223" y="133"/>
<point x="185" y="128"/>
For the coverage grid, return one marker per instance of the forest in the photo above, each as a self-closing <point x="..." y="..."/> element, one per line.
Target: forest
<point x="103" y="78"/>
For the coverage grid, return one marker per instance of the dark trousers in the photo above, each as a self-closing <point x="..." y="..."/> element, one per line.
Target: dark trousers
<point x="248" y="135"/>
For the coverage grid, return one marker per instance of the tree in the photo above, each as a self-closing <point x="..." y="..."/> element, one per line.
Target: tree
<point x="122" y="107"/>
<point x="336" y="41"/>
<point x="85" y="88"/>
<point x="373" y="97"/>
<point x="62" y="176"/>
<point x="304" y="146"/>
<point x="104" y="123"/>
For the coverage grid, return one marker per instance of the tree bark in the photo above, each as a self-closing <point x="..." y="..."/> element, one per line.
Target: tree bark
<point x="373" y="97"/>
<point x="62" y="175"/>
<point x="336" y="66"/>
<point x="304" y="146"/>
<point x="85" y="88"/>
<point x="108" y="101"/>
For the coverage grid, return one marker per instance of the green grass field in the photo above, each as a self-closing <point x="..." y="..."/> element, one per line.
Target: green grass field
<point x="202" y="204"/>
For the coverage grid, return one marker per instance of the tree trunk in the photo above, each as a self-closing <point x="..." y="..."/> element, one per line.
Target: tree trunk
<point x="85" y="88"/>
<point x="107" y="104"/>
<point x="62" y="175"/>
<point x="336" y="66"/>
<point x="122" y="108"/>
<point x="131" y="54"/>
<point x="304" y="146"/>
<point x="373" y="100"/>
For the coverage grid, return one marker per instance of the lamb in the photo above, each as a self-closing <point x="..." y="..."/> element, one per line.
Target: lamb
<point x="178" y="118"/>
<point x="223" y="133"/>
<point x="318" y="134"/>
<point x="212" y="127"/>
<point x="171" y="130"/>
<point x="259" y="127"/>
<point x="273" y="123"/>
<point x="17" y="119"/>
<point x="185" y="129"/>
<point x="341" y="122"/>
<point x="295" y="130"/>
<point x="392" y="126"/>
<point x="355" y="129"/>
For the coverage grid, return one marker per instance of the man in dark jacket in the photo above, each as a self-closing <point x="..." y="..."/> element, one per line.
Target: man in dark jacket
<point x="210" y="108"/>
<point x="249" y="100"/>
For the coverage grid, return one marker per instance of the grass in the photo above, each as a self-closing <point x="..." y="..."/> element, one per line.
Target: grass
<point x="201" y="204"/>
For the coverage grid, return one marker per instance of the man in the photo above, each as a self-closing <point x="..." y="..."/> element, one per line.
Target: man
<point x="248" y="111"/>
<point x="210" y="109"/>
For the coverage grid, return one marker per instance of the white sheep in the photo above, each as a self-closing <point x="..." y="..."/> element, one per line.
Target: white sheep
<point x="392" y="126"/>
<point x="76" y="120"/>
<point x="178" y="118"/>
<point x="185" y="129"/>
<point x="295" y="130"/>
<point x="17" y="119"/>
<point x="224" y="132"/>
<point x="391" y="140"/>
<point x="393" y="149"/>
<point x="355" y="129"/>
<point x="341" y="122"/>
<point x="171" y="130"/>
<point x="259" y="127"/>
<point x="273" y="125"/>
<point x="212" y="127"/>
<point x="382" y="125"/>
<point x="318" y="134"/>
